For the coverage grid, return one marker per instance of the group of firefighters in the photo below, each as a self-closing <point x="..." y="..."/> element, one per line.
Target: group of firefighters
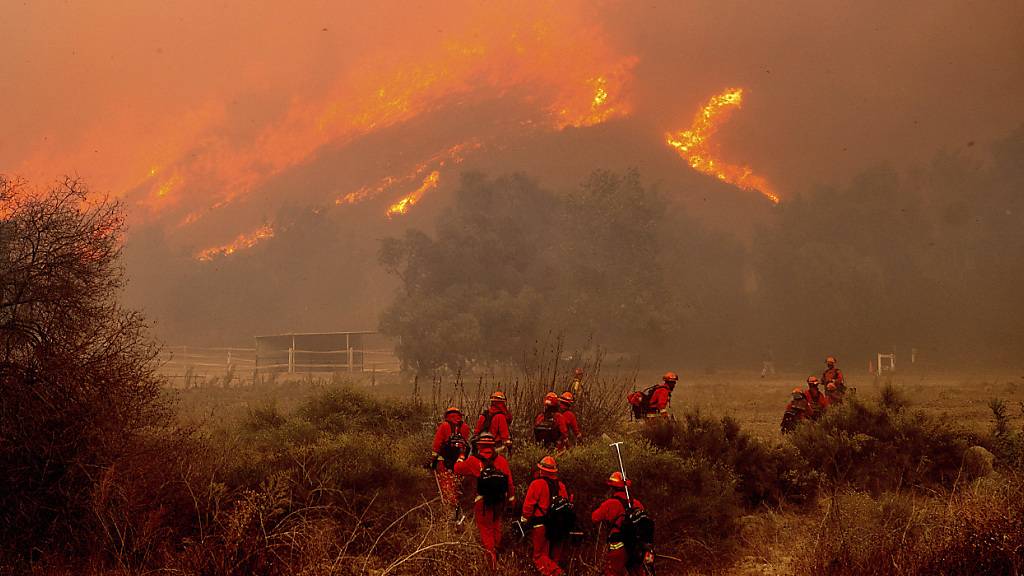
<point x="811" y="403"/>
<point x="547" y="509"/>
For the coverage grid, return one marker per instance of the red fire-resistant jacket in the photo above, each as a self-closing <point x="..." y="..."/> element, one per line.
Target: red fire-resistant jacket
<point x="816" y="406"/>
<point x="444" y="430"/>
<point x="613" y="512"/>
<point x="498" y="427"/>
<point x="537" y="500"/>
<point x="833" y="375"/>
<point x="660" y="399"/>
<point x="472" y="466"/>
<point x="571" y="423"/>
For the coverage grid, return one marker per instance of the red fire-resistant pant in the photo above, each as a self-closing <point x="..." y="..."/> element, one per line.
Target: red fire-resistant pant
<point x="449" y="485"/>
<point x="488" y="520"/>
<point x="616" y="563"/>
<point x="546" y="554"/>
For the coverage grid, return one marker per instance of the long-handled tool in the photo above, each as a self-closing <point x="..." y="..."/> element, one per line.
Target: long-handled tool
<point x="622" y="468"/>
<point x="648" y="561"/>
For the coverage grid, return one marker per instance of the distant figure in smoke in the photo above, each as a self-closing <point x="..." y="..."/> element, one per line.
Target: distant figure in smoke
<point x="833" y="375"/>
<point x="577" y="382"/>
<point x="817" y="401"/>
<point x="796" y="411"/>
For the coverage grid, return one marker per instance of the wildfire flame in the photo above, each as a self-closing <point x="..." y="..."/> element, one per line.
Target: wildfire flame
<point x="403" y="205"/>
<point x="694" y="146"/>
<point x="453" y="155"/>
<point x="241" y="242"/>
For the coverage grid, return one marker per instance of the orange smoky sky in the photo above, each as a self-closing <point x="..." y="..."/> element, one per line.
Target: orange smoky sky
<point x="189" y="105"/>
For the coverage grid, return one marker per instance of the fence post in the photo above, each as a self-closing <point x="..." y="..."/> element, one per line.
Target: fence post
<point x="291" y="357"/>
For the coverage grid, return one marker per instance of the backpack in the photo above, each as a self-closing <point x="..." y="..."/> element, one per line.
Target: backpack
<point x="455" y="446"/>
<point x="546" y="431"/>
<point x="789" y="421"/>
<point x="561" y="516"/>
<point x="637" y="528"/>
<point x="640" y="401"/>
<point x="489" y="416"/>
<point x="492" y="485"/>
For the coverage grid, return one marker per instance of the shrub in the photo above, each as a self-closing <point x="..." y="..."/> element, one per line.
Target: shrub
<point x="882" y="446"/>
<point x="344" y="409"/>
<point x="80" y="391"/>
<point x="692" y="500"/>
<point x="770" y="474"/>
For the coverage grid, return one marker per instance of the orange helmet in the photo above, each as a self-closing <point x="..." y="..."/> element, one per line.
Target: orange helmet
<point x="566" y="398"/>
<point x="453" y="410"/>
<point x="616" y="480"/>
<point x="670" y="377"/>
<point x="798" y="392"/>
<point x="550" y="399"/>
<point x="486" y="439"/>
<point x="812" y="381"/>
<point x="548" y="464"/>
<point x="830" y="360"/>
<point x="498" y="396"/>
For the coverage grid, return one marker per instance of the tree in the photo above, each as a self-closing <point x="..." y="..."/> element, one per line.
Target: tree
<point x="473" y="293"/>
<point x="77" y="371"/>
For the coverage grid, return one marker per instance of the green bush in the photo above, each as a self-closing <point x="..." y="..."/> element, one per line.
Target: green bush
<point x="768" y="474"/>
<point x="693" y="500"/>
<point x="345" y="409"/>
<point x="882" y="446"/>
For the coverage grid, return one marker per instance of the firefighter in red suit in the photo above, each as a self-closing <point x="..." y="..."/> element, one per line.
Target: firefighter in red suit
<point x="546" y="554"/>
<point x="662" y="396"/>
<point x="451" y="442"/>
<point x="496" y="421"/>
<point x="612" y="511"/>
<point x="565" y="402"/>
<point x="817" y="401"/>
<point x="833" y="375"/>
<point x="488" y="515"/>
<point x="553" y="415"/>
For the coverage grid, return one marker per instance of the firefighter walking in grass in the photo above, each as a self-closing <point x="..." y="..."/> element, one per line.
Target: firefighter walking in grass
<point x="833" y="375"/>
<point x="817" y="401"/>
<point x="549" y="427"/>
<point x="654" y="401"/>
<point x="496" y="420"/>
<point x="631" y="531"/>
<point x="451" y="443"/>
<point x="572" y="424"/>
<point x="494" y="490"/>
<point x="548" y="509"/>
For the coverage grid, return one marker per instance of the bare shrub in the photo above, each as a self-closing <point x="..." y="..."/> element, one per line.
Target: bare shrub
<point x="81" y="396"/>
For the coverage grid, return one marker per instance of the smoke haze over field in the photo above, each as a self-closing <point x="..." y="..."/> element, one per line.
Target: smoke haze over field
<point x="283" y="133"/>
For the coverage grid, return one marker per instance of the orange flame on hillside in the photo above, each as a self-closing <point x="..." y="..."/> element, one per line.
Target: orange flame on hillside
<point x="241" y="242"/>
<point x="571" y="79"/>
<point x="694" y="146"/>
<point x="403" y="205"/>
<point x="453" y="155"/>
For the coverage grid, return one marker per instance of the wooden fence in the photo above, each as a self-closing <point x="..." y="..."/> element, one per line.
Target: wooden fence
<point x="191" y="366"/>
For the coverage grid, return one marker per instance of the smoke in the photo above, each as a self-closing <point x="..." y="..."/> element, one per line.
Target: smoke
<point x="221" y="122"/>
